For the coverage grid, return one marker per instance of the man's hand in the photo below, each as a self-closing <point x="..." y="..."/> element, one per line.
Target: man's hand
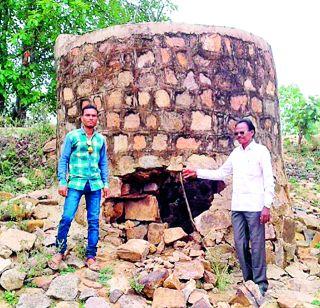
<point x="106" y="192"/>
<point x="63" y="191"/>
<point x="265" y="215"/>
<point x="189" y="174"/>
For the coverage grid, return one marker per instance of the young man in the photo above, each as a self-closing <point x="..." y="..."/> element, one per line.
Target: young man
<point x="252" y="196"/>
<point x="84" y="158"/>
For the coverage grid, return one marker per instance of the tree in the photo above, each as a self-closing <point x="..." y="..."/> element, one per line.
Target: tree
<point x="299" y="115"/>
<point x="28" y="30"/>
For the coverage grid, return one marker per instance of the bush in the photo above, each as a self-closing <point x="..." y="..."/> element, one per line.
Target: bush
<point x="21" y="155"/>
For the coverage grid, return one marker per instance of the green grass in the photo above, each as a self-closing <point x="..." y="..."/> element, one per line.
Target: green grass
<point x="69" y="269"/>
<point x="220" y="269"/>
<point x="135" y="285"/>
<point x="10" y="297"/>
<point x="105" y="275"/>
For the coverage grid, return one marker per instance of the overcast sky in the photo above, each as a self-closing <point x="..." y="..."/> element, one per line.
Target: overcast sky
<point x="292" y="28"/>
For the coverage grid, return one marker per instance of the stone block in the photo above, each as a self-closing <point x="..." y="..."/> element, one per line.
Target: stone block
<point x="113" y="121"/>
<point x="212" y="221"/>
<point x="145" y="60"/>
<point x="153" y="281"/>
<point x="187" y="144"/>
<point x="85" y="88"/>
<point x="68" y="94"/>
<point x="147" y="80"/>
<point x="155" y="232"/>
<point x="115" y="100"/>
<point x="206" y="98"/>
<point x="200" y="121"/>
<point x="190" y="83"/>
<point x="182" y="60"/>
<point x="125" y="79"/>
<point x="173" y="234"/>
<point x="162" y="99"/>
<point x="168" y="298"/>
<point x="120" y="144"/>
<point x="138" y="232"/>
<point x="239" y="102"/>
<point x="143" y="98"/>
<point x="204" y="80"/>
<point x="134" y="250"/>
<point x="184" y="100"/>
<point x="256" y="105"/>
<point x="170" y="77"/>
<point x="165" y="55"/>
<point x="189" y="269"/>
<point x="145" y="209"/>
<point x="160" y="142"/>
<point x="211" y="42"/>
<point x="175" y="41"/>
<point x="151" y="122"/>
<point x="139" y="142"/>
<point x="171" y="121"/>
<point x="132" y="122"/>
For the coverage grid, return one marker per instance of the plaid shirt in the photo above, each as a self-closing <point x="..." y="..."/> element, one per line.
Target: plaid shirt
<point x="82" y="166"/>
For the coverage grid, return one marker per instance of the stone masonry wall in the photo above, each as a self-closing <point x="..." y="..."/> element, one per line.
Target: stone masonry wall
<point x="170" y="94"/>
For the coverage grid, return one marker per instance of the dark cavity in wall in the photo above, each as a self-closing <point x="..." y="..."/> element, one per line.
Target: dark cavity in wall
<point x="167" y="188"/>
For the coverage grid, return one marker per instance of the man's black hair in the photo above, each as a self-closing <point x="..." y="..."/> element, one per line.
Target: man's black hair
<point x="89" y="107"/>
<point x="249" y="124"/>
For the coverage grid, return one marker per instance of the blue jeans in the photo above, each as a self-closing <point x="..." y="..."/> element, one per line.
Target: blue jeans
<point x="71" y="204"/>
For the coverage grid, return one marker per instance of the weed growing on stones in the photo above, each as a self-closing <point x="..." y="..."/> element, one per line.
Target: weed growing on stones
<point x="10" y="298"/>
<point x="135" y="285"/>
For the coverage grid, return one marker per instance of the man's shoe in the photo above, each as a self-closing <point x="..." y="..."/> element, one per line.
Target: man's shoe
<point x="92" y="264"/>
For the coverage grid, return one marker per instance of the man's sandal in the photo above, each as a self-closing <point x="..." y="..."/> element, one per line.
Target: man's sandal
<point x="55" y="261"/>
<point x="92" y="264"/>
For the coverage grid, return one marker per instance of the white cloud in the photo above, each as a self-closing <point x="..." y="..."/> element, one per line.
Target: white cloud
<point x="290" y="27"/>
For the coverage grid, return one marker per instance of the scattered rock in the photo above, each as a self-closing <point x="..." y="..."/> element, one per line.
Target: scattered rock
<point x="274" y="272"/>
<point x="17" y="240"/>
<point x="43" y="282"/>
<point x="115" y="295"/>
<point x="203" y="303"/>
<point x="153" y="281"/>
<point x="4" y="264"/>
<point x="74" y="261"/>
<point x="12" y="279"/>
<point x="196" y="295"/>
<point x="86" y="293"/>
<point x="134" y="250"/>
<point x="34" y="301"/>
<point x="94" y="302"/>
<point x="172" y="282"/>
<point x="132" y="301"/>
<point x="64" y="287"/>
<point x="168" y="298"/>
<point x="173" y="234"/>
<point x="189" y="270"/>
<point x="67" y="304"/>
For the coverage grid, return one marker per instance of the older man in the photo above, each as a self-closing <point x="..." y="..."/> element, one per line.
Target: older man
<point x="252" y="196"/>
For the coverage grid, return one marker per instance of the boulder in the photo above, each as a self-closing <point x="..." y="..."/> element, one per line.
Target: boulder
<point x="153" y="281"/>
<point x="134" y="250"/>
<point x="145" y="209"/>
<point x="34" y="301"/>
<point x="189" y="270"/>
<point x="168" y="298"/>
<point x="173" y="234"/>
<point x="212" y="221"/>
<point x="94" y="302"/>
<point x="131" y="301"/>
<point x="155" y="232"/>
<point x="12" y="279"/>
<point x="64" y="287"/>
<point x="17" y="240"/>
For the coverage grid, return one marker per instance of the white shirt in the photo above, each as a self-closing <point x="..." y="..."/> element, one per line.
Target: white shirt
<point x="253" y="185"/>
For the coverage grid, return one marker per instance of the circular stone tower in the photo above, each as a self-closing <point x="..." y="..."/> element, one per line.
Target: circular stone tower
<point x="168" y="95"/>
